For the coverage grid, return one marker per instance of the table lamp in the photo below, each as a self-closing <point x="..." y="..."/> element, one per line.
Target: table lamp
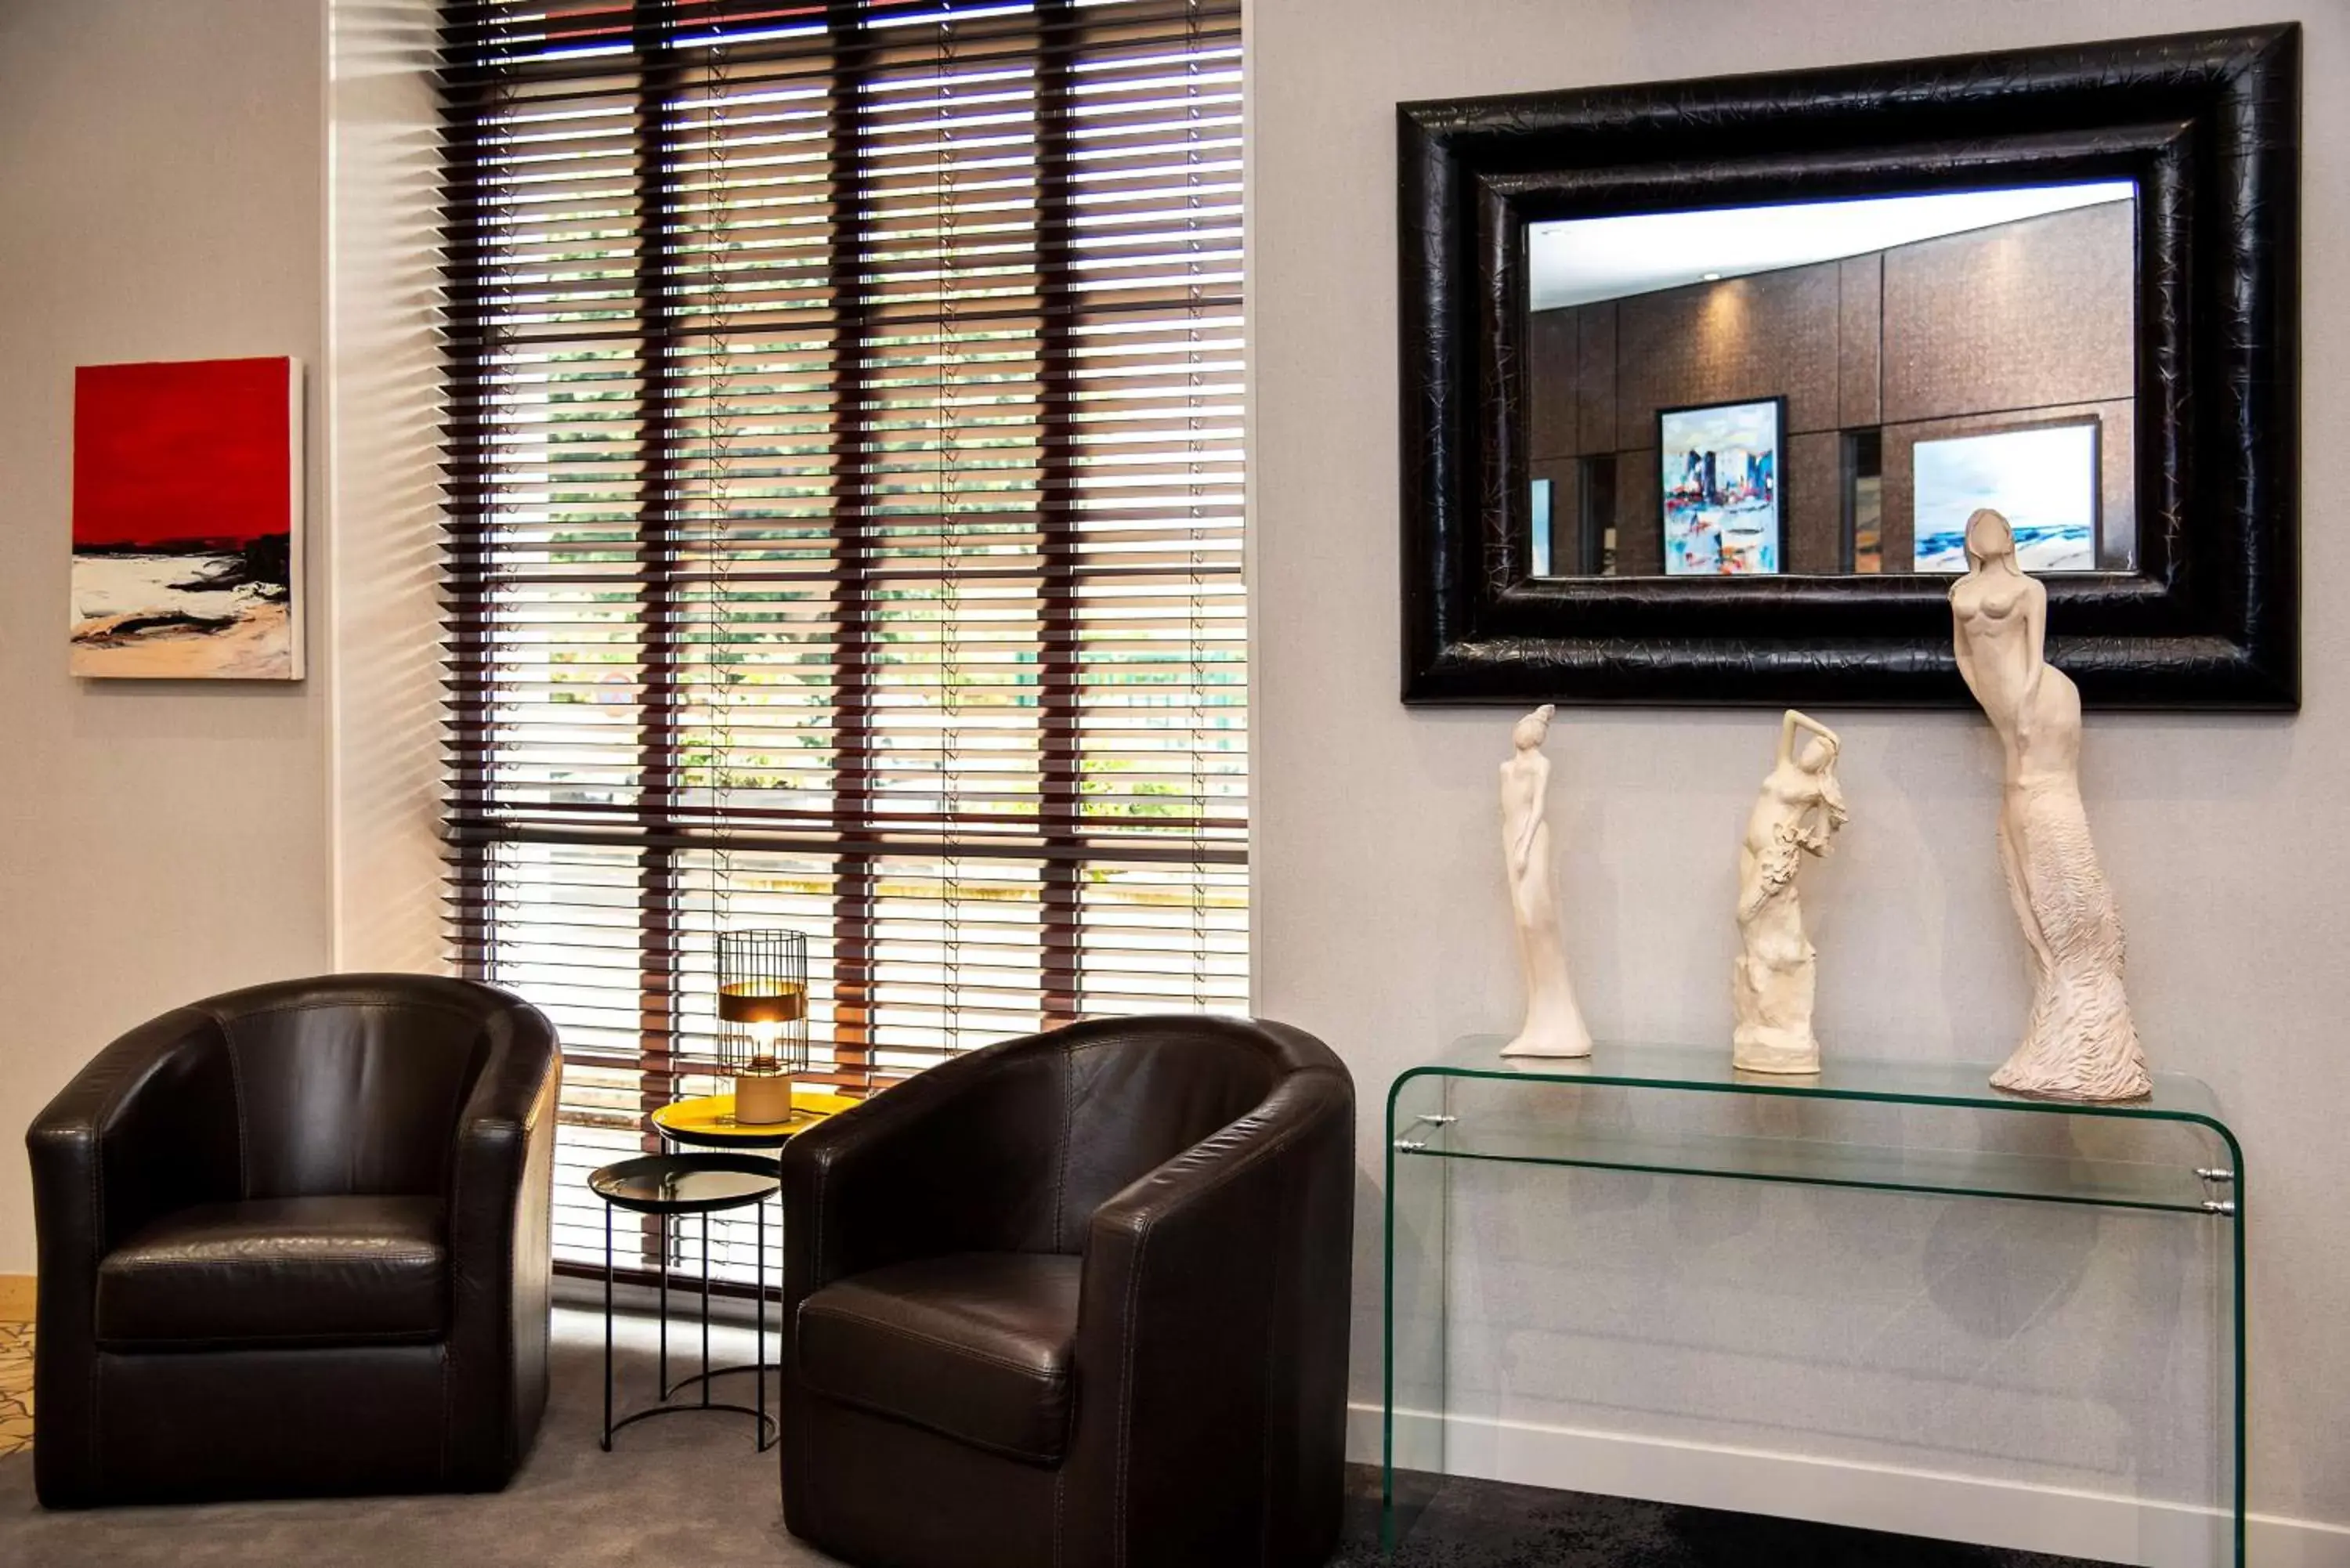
<point x="763" y="1019"/>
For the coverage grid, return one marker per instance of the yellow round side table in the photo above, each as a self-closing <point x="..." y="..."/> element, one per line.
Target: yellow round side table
<point x="708" y="1121"/>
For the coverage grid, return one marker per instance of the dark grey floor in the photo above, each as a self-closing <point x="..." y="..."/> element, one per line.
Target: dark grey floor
<point x="690" y="1489"/>
<point x="1486" y="1524"/>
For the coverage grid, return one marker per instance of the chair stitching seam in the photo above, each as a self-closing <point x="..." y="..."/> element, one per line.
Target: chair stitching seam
<point x="809" y="1310"/>
<point x="97" y="1245"/>
<point x="898" y="1412"/>
<point x="1069" y="1119"/>
<point x="118" y="1263"/>
<point x="236" y="1092"/>
<point x="378" y="1004"/>
<point x="818" y="1274"/>
<point x="357" y="1338"/>
<point x="1240" y="1165"/>
<point x="1125" y="1426"/>
<point x="1264" y="1434"/>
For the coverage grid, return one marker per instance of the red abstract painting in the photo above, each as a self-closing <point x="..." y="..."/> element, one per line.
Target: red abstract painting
<point x="187" y="520"/>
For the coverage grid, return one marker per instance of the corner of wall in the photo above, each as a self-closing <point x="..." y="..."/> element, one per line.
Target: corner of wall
<point x="382" y="412"/>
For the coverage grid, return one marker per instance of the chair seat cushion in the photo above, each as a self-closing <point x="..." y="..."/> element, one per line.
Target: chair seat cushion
<point x="978" y="1346"/>
<point x="278" y="1272"/>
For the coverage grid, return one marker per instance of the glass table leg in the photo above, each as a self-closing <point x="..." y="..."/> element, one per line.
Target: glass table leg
<point x="2235" y="1224"/>
<point x="1413" y="1406"/>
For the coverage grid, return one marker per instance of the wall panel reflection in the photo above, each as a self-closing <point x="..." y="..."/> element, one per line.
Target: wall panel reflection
<point x="1933" y="353"/>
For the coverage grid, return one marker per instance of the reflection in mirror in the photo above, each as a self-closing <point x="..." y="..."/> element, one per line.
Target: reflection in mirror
<point x="1832" y="387"/>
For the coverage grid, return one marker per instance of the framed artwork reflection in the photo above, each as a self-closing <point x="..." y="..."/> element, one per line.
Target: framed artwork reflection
<point x="2043" y="479"/>
<point x="1721" y="489"/>
<point x="1541" y="563"/>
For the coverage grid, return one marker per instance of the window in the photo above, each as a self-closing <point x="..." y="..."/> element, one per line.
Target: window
<point x="845" y="477"/>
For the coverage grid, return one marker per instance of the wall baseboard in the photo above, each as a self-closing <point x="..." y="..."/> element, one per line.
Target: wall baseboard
<point x="1911" y="1502"/>
<point x="17" y="1297"/>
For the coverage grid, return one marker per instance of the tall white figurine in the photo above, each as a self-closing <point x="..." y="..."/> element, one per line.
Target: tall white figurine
<point x="1774" y="977"/>
<point x="1554" y="1025"/>
<point x="2079" y="1042"/>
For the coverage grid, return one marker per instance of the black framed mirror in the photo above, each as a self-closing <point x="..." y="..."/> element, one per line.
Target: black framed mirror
<point x="1700" y="378"/>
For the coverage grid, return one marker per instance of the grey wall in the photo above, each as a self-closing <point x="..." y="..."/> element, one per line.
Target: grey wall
<point x="2022" y="1344"/>
<point x="162" y="173"/>
<point x="383" y="414"/>
<point x="2018" y="322"/>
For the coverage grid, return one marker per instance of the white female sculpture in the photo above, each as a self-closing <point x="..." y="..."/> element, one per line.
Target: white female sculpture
<point x="1554" y="1025"/>
<point x="2078" y="1041"/>
<point x="1771" y="981"/>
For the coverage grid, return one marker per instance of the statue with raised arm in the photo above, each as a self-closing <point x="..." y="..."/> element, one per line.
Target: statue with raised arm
<point x="2078" y="1040"/>
<point x="1774" y="976"/>
<point x="1554" y="1025"/>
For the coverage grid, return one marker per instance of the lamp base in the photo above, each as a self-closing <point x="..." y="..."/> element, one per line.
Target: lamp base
<point x="763" y="1099"/>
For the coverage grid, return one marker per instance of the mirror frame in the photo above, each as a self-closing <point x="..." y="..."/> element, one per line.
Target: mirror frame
<point x="2208" y="127"/>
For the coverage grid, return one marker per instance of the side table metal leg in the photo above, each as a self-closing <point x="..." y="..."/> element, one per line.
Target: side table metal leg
<point x="705" y="1309"/>
<point x="759" y="1324"/>
<point x="668" y="1237"/>
<point x="607" y="1328"/>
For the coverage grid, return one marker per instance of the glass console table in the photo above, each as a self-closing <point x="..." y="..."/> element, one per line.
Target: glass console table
<point x="1475" y="1104"/>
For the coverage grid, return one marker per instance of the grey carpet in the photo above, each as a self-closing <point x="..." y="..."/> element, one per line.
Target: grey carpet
<point x="676" y="1491"/>
<point x="690" y="1489"/>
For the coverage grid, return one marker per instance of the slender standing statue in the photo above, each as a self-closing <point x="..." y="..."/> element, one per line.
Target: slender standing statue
<point x="1772" y="980"/>
<point x="1554" y="1025"/>
<point x="2078" y="1042"/>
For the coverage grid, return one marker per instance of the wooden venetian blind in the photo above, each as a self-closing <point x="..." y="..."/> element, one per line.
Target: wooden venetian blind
<point x="845" y="446"/>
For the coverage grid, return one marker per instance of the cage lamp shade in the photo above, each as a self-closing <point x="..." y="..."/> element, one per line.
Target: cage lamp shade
<point x="763" y="1019"/>
<point x="757" y="1002"/>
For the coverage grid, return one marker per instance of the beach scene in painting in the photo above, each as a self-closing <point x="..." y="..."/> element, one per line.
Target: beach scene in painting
<point x="2044" y="481"/>
<point x="186" y="521"/>
<point x="1720" y="485"/>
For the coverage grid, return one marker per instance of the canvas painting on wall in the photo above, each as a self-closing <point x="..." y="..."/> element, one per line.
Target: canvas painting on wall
<point x="187" y="520"/>
<point x="1722" y="489"/>
<point x="2044" y="481"/>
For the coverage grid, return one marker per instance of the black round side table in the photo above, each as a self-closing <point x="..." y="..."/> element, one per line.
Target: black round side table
<point x="670" y="1185"/>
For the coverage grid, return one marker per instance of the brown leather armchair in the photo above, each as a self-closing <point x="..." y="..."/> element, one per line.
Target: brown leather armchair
<point x="1076" y="1301"/>
<point x="293" y="1240"/>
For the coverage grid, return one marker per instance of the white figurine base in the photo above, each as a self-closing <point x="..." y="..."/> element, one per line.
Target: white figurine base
<point x="2079" y="1044"/>
<point x="2125" y="1080"/>
<point x="1773" y="1033"/>
<point x="1567" y="1040"/>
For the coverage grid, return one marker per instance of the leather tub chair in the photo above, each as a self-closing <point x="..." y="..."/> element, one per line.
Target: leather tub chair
<point x="1076" y="1301"/>
<point x="294" y="1241"/>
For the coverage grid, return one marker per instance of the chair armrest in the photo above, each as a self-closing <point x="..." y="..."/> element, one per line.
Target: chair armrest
<point x="501" y="1196"/>
<point x="508" y="1117"/>
<point x="959" y="1159"/>
<point x="150" y="1125"/>
<point x="1212" y="1315"/>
